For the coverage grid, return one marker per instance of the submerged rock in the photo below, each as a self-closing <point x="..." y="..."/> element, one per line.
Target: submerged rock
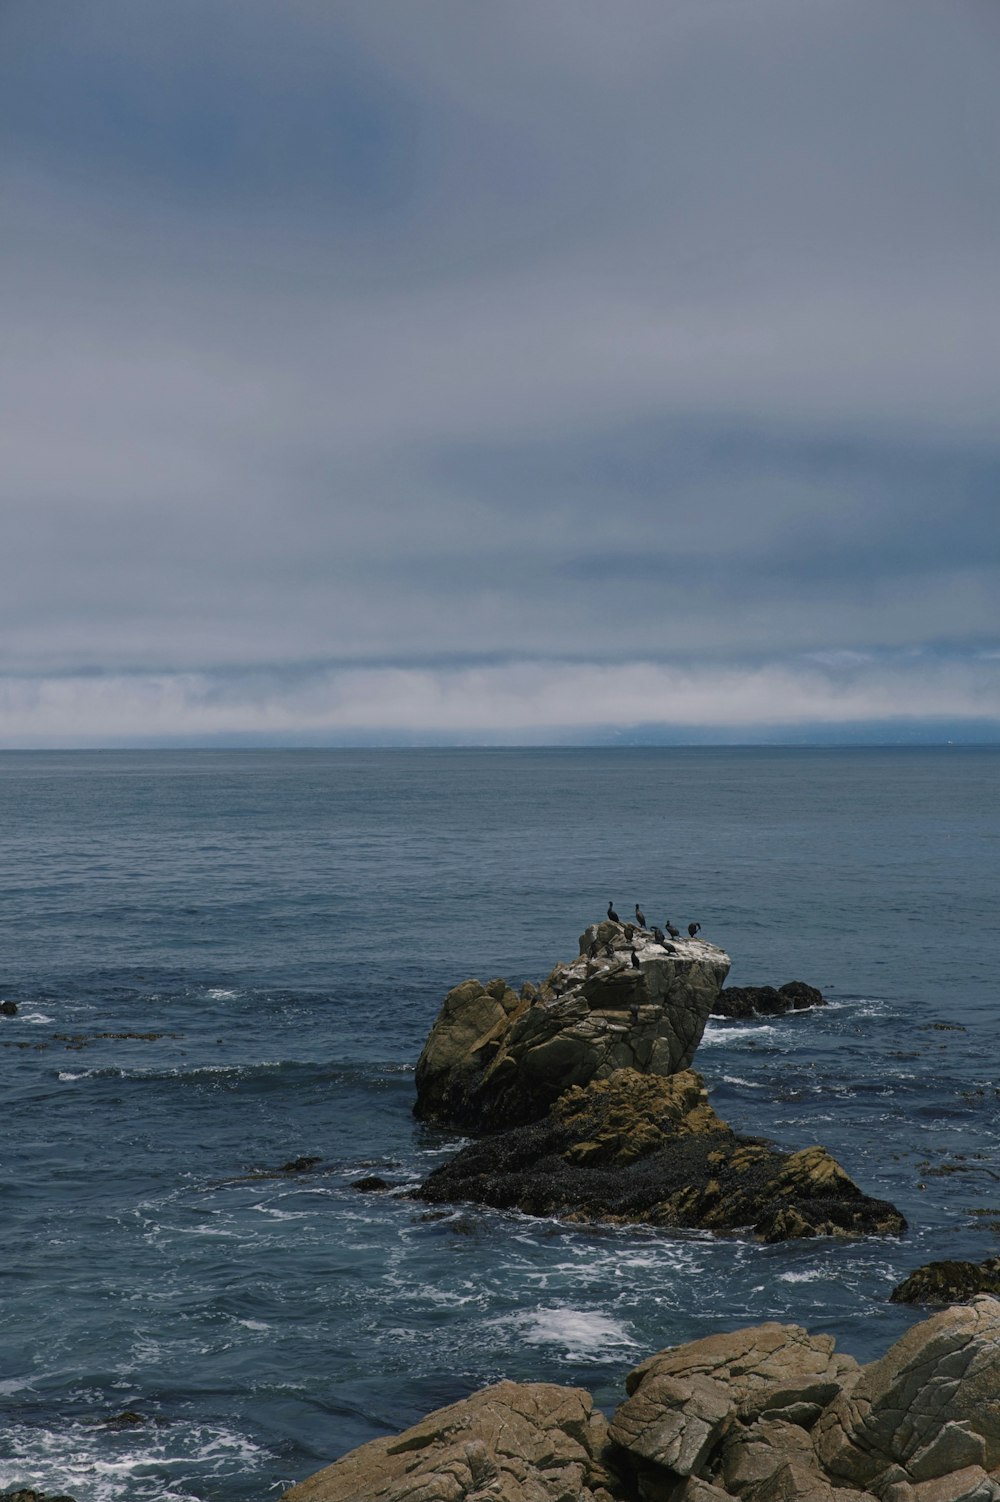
<point x="643" y="1148"/>
<point x="948" y="1282"/>
<point x="513" y="1442"/>
<point x="767" y="1001"/>
<point x="497" y="1058"/>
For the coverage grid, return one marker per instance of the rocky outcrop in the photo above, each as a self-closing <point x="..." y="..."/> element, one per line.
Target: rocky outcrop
<point x="767" y="1001"/>
<point x="928" y="1408"/>
<point x="637" y="1147"/>
<point x="765" y="1414"/>
<point x="515" y="1442"/>
<point x="497" y="1058"/>
<point x="948" y="1282"/>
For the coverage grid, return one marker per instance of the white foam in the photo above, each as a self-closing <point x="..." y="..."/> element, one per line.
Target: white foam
<point x="67" y="1074"/>
<point x="715" y="1035"/>
<point x="219" y="993"/>
<point x="578" y="1332"/>
<point x="734" y="1079"/>
<point x="811" y="1275"/>
<point x="41" y="1017"/>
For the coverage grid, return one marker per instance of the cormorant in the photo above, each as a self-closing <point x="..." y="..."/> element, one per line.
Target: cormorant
<point x="659" y="935"/>
<point x="609" y="951"/>
<point x="612" y="914"/>
<point x="635" y="961"/>
<point x="629" y="931"/>
<point x="674" y="933"/>
<point x="640" y="917"/>
<point x="693" y="929"/>
<point x="670" y="948"/>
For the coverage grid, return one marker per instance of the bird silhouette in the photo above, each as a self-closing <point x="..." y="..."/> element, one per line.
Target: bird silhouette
<point x="658" y="934"/>
<point x="674" y="933"/>
<point x="640" y="916"/>
<point x="693" y="929"/>
<point x="635" y="961"/>
<point x="612" y="914"/>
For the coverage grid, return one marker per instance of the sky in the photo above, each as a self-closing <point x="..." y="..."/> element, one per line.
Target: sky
<point x="514" y="371"/>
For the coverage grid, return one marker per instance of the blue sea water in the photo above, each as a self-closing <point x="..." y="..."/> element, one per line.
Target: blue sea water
<point x="287" y="923"/>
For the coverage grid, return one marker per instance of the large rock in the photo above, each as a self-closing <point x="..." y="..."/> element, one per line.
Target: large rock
<point x="514" y="1442"/>
<point x="495" y="1058"/>
<point x="928" y="1408"/>
<point x="767" y="1001"/>
<point x="730" y="1409"/>
<point x="948" y="1282"/>
<point x="637" y="1147"/>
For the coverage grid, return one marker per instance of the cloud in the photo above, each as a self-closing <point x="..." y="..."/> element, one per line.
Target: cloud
<point x="501" y="703"/>
<point x="372" y="336"/>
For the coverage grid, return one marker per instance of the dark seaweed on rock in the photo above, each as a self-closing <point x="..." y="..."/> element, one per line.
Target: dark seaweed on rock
<point x="767" y="1001"/>
<point x="643" y="1148"/>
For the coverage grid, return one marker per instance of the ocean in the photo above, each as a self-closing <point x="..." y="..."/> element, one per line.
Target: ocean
<point x="226" y="960"/>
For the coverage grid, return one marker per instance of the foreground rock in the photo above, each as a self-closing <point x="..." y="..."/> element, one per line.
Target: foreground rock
<point x="929" y="1408"/>
<point x="765" y="1414"/>
<point x="767" y="1001"/>
<point x="948" y="1282"/>
<point x="496" y="1058"/>
<point x="643" y="1148"/>
<point x="515" y="1442"/>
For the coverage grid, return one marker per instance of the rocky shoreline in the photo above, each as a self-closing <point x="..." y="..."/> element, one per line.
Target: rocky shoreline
<point x="769" y="1413"/>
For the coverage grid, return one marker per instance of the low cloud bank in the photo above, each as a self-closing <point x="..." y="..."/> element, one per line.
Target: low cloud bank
<point x="534" y="702"/>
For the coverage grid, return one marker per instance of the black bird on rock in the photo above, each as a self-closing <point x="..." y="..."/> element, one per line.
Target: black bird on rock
<point x="658" y="934"/>
<point x="612" y="914"/>
<point x="629" y="931"/>
<point x="609" y="951"/>
<point x="640" y="917"/>
<point x="635" y="961"/>
<point x="674" y="933"/>
<point x="693" y="929"/>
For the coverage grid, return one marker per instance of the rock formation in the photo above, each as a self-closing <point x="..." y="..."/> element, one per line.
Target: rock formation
<point x="636" y="1147"/>
<point x="929" y="1407"/>
<point x="514" y="1442"/>
<point x="496" y="1058"/>
<point x="948" y="1282"/>
<point x="766" y="1414"/>
<point x="766" y="1001"/>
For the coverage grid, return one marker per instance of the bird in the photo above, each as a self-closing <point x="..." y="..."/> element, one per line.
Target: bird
<point x="674" y="933"/>
<point x="612" y="914"/>
<point x="640" y="916"/>
<point x="670" y="948"/>
<point x="635" y="961"/>
<point x="659" y="935"/>
<point x="609" y="950"/>
<point x="693" y="929"/>
<point x="629" y="931"/>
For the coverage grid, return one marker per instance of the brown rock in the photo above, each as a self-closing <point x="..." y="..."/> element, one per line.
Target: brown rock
<point x="514" y="1442"/>
<point x="494" y="1059"/>
<point x="931" y="1405"/>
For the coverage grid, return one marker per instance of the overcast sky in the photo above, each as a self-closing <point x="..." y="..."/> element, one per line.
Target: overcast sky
<point x="498" y="369"/>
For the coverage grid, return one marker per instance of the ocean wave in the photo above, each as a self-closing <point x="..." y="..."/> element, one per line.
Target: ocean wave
<point x="161" y="1463"/>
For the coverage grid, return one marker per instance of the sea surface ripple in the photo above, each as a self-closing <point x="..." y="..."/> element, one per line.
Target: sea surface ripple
<point x="281" y="926"/>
